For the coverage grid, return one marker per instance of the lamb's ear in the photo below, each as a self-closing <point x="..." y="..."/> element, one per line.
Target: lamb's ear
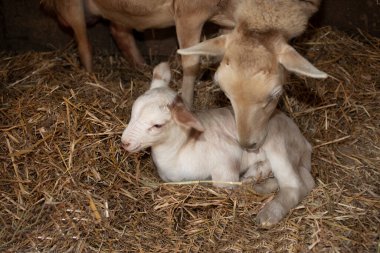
<point x="183" y="117"/>
<point x="293" y="61"/>
<point x="161" y="76"/>
<point x="215" y="47"/>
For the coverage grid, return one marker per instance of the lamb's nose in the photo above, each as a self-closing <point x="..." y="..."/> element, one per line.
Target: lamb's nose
<point x="125" y="144"/>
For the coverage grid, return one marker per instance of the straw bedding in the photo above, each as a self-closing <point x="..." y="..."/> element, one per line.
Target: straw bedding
<point x="67" y="186"/>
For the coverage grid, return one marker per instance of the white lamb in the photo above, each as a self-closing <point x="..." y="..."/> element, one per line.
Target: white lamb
<point x="203" y="145"/>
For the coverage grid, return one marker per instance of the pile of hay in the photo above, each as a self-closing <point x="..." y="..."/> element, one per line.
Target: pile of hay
<point x="67" y="186"/>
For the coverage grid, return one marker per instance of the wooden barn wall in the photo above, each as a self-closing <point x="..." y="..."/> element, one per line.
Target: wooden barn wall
<point x="24" y="26"/>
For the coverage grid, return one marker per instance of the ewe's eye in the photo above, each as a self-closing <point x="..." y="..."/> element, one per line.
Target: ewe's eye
<point x="158" y="125"/>
<point x="274" y="96"/>
<point x="227" y="61"/>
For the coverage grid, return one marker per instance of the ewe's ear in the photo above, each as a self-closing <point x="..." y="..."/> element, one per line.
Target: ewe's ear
<point x="215" y="47"/>
<point x="293" y="61"/>
<point x="183" y="117"/>
<point x="161" y="76"/>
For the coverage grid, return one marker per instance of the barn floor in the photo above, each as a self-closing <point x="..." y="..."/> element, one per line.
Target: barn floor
<point x="66" y="186"/>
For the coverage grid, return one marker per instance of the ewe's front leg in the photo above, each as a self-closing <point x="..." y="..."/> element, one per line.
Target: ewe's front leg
<point x="291" y="191"/>
<point x="189" y="32"/>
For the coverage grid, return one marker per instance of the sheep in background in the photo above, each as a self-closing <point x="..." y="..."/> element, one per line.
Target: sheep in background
<point x="188" y="16"/>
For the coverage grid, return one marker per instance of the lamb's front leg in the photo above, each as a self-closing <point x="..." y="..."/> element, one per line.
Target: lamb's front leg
<point x="259" y="171"/>
<point x="256" y="172"/>
<point x="225" y="174"/>
<point x="291" y="190"/>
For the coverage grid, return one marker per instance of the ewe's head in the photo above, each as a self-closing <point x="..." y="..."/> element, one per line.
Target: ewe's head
<point x="251" y="75"/>
<point x="156" y="113"/>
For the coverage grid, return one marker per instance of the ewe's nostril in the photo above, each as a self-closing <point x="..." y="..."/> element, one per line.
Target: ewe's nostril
<point x="251" y="147"/>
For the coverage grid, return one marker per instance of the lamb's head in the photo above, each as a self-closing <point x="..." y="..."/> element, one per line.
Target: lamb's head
<point x="251" y="75"/>
<point x="156" y="114"/>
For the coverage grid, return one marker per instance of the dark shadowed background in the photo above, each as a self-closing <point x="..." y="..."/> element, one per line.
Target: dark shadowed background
<point x="24" y="26"/>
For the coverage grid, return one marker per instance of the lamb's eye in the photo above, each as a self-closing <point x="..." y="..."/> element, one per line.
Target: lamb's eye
<point x="274" y="96"/>
<point x="157" y="125"/>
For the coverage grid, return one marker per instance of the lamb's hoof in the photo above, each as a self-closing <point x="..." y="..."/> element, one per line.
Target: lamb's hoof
<point x="270" y="215"/>
<point x="269" y="185"/>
